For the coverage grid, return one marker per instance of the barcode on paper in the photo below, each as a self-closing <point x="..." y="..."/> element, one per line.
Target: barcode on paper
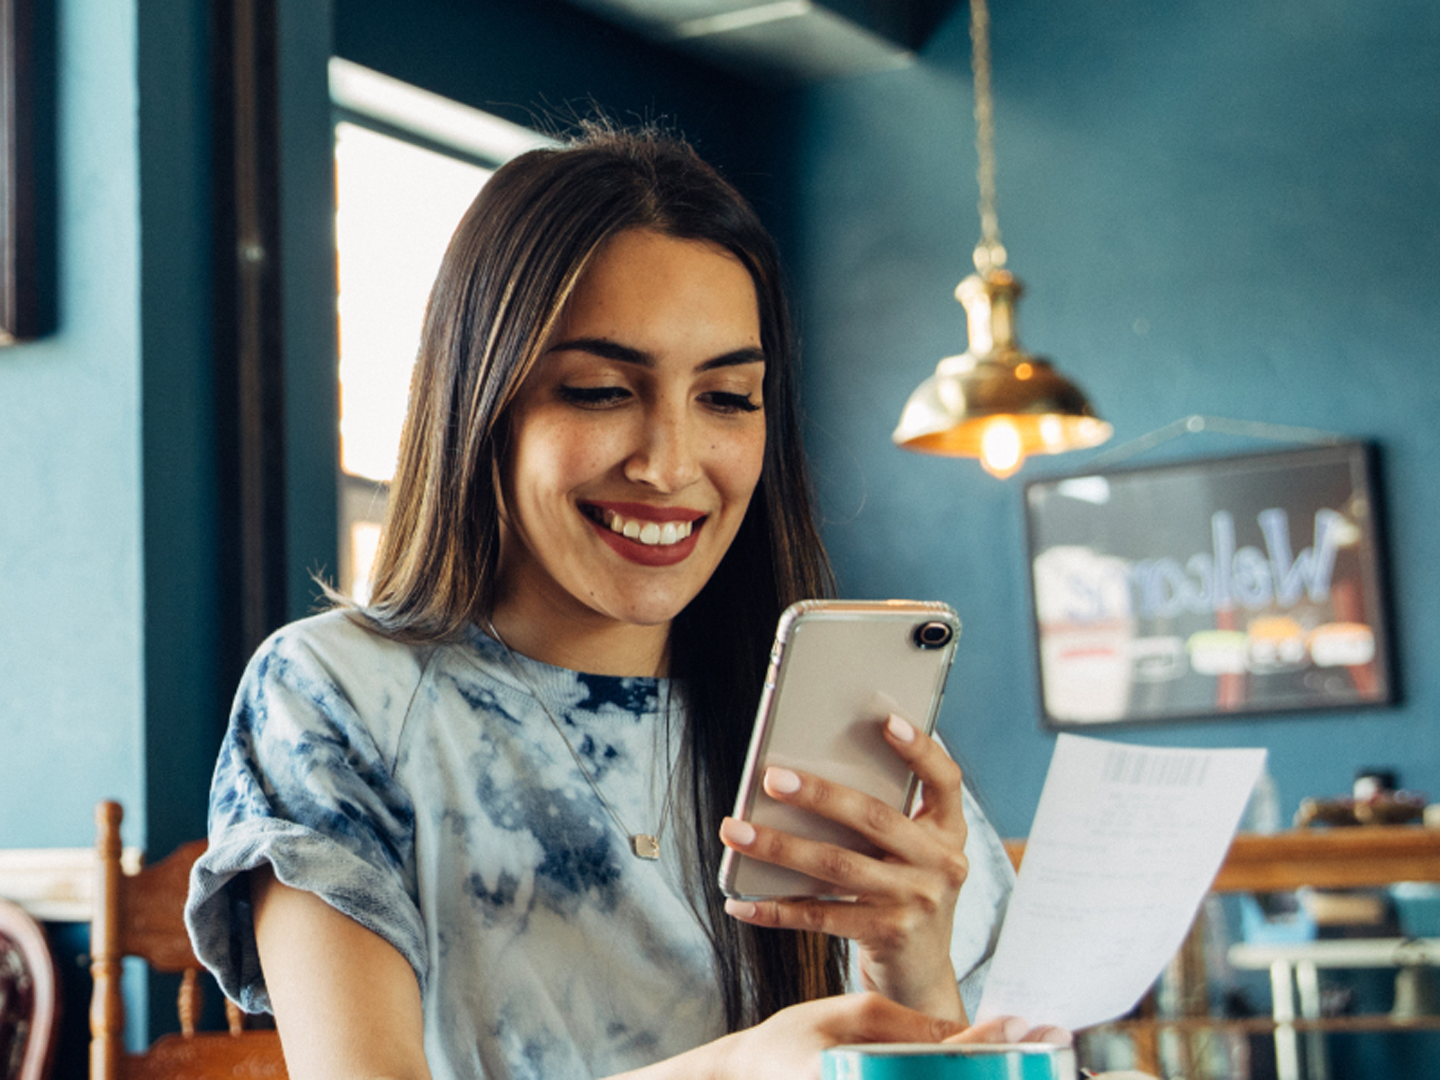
<point x="1125" y="765"/>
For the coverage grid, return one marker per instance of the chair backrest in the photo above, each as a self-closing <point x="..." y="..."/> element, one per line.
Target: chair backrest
<point x="29" y="997"/>
<point x="143" y="915"/>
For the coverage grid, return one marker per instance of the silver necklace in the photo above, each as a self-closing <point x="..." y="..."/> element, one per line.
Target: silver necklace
<point x="642" y="845"/>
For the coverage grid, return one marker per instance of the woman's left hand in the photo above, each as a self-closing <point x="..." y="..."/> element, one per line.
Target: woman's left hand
<point x="904" y="910"/>
<point x="1013" y="1029"/>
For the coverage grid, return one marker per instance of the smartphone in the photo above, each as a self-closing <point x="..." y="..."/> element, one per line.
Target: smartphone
<point x="839" y="668"/>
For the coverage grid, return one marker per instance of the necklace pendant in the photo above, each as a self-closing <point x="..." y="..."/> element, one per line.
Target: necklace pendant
<point x="645" y="846"/>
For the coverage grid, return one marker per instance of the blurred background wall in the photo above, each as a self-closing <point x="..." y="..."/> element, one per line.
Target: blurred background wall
<point x="1223" y="211"/>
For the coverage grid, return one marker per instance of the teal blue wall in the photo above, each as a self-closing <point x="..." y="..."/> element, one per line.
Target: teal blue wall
<point x="1260" y="185"/>
<point x="307" y="218"/>
<point x="546" y="64"/>
<point x="114" y="680"/>
<point x="179" y="496"/>
<point x="72" y="687"/>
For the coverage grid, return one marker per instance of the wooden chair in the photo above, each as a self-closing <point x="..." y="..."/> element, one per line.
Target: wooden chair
<point x="142" y="915"/>
<point x="29" y="997"/>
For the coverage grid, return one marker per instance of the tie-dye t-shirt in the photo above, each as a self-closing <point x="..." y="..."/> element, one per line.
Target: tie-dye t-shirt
<point x="424" y="792"/>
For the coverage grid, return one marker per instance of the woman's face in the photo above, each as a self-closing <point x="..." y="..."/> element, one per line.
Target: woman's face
<point x="637" y="439"/>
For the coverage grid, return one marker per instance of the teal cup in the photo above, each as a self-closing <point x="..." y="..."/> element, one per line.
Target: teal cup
<point x="927" y="1061"/>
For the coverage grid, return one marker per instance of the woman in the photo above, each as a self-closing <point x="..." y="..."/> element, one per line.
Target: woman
<point x="472" y="829"/>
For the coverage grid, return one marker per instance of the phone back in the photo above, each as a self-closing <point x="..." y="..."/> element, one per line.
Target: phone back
<point x="838" y="670"/>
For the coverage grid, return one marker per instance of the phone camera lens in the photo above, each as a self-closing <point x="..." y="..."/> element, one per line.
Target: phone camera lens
<point x="932" y="635"/>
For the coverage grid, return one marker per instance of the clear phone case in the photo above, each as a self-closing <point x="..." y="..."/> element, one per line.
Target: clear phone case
<point x="838" y="669"/>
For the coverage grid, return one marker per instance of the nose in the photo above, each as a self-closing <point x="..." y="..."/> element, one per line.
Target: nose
<point x="665" y="457"/>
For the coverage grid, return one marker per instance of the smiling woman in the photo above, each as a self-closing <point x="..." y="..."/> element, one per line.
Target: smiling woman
<point x="641" y="421"/>
<point x="472" y="828"/>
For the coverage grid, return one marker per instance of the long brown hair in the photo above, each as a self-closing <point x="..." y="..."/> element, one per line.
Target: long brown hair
<point x="511" y="266"/>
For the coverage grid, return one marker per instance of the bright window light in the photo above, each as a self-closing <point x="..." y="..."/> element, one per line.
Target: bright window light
<point x="396" y="206"/>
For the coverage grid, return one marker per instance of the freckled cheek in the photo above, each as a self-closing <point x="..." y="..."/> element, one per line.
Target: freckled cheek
<point x="572" y="456"/>
<point x="738" y="467"/>
<point x="579" y="464"/>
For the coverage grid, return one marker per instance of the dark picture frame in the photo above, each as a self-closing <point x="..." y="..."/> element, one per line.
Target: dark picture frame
<point x="1209" y="588"/>
<point x="20" y="299"/>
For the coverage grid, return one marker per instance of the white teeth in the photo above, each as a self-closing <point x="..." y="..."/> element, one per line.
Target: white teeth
<point x="650" y="533"/>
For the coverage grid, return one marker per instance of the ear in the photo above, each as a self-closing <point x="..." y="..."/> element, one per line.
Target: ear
<point x="498" y="482"/>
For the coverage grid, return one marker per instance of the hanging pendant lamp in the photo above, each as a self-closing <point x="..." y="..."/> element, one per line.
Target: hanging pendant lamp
<point x="994" y="401"/>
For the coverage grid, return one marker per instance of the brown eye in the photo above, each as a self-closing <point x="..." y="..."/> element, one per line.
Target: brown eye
<point x="732" y="403"/>
<point x="593" y="397"/>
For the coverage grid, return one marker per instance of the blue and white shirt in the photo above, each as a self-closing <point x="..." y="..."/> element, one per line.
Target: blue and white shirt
<point x="423" y="791"/>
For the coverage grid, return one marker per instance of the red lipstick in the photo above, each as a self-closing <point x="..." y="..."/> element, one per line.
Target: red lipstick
<point x="599" y="515"/>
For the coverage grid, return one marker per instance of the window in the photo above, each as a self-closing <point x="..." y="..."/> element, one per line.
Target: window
<point x="407" y="165"/>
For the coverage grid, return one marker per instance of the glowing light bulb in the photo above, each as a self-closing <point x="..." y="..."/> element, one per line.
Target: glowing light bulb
<point x="1052" y="433"/>
<point x="1001" y="453"/>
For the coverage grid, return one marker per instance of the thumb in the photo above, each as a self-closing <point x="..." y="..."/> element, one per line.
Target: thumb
<point x="1011" y="1029"/>
<point x="882" y="1020"/>
<point x="997" y="1029"/>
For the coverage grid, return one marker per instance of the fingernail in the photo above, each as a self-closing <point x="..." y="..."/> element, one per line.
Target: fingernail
<point x="741" y="909"/>
<point x="741" y="833"/>
<point x="1055" y="1036"/>
<point x="900" y="729"/>
<point x="781" y="781"/>
<point x="1014" y="1029"/>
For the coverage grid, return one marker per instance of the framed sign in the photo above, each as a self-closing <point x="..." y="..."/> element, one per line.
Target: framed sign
<point x="1210" y="588"/>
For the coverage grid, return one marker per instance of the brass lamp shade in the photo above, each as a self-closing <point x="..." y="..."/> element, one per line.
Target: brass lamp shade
<point x="996" y="402"/>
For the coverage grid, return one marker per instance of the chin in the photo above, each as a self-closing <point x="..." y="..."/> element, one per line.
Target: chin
<point x="649" y="610"/>
<point x="650" y="614"/>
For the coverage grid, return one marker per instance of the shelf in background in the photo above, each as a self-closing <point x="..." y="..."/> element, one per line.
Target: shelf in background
<point x="1333" y="858"/>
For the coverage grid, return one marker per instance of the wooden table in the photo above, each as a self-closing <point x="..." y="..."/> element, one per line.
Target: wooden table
<point x="1336" y="858"/>
<point x="1364" y="856"/>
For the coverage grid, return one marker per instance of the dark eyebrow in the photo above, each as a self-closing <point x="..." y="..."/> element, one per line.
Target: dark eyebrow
<point x="606" y="350"/>
<point x="613" y="350"/>
<point x="733" y="359"/>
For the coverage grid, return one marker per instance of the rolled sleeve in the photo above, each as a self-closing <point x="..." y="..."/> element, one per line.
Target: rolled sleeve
<point x="304" y="785"/>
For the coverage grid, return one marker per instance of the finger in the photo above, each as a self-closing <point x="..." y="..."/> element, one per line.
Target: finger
<point x="941" y="780"/>
<point x="885" y="926"/>
<point x="872" y="1017"/>
<point x="867" y="815"/>
<point x="998" y="1029"/>
<point x="1049" y="1033"/>
<point x="923" y="868"/>
<point x="837" y="918"/>
<point x="1013" y="1029"/>
<point x="936" y="849"/>
<point x="883" y="825"/>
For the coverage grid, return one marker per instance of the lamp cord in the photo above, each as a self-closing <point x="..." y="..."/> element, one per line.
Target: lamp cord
<point x="990" y="252"/>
